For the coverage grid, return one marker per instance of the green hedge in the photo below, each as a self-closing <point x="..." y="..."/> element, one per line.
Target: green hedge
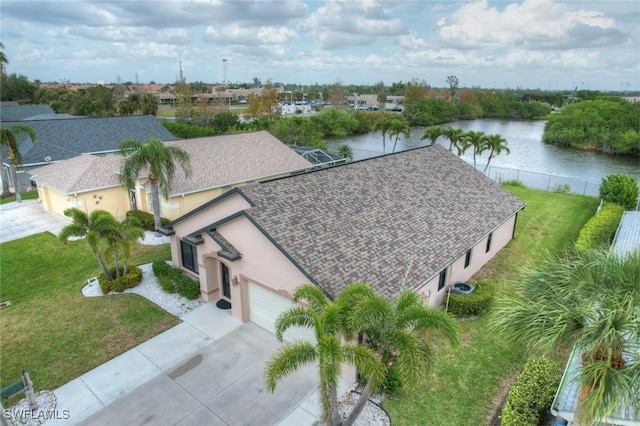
<point x="186" y="131"/>
<point x="620" y="189"/>
<point x="474" y="304"/>
<point x="532" y="392"/>
<point x="599" y="231"/>
<point x="132" y="279"/>
<point x="146" y="219"/>
<point x="172" y="280"/>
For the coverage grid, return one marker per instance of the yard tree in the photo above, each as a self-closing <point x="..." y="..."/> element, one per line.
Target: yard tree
<point x="455" y="136"/>
<point x="383" y="125"/>
<point x="415" y="92"/>
<point x="118" y="238"/>
<point x="158" y="160"/>
<point x="496" y="144"/>
<point x="433" y="133"/>
<point x="395" y="330"/>
<point x="3" y="58"/>
<point x="345" y="151"/>
<point x="591" y="300"/>
<point x="149" y="104"/>
<point x="9" y="141"/>
<point x="327" y="319"/>
<point x="94" y="227"/>
<point x="477" y="141"/>
<point x="399" y="126"/>
<point x="269" y="100"/>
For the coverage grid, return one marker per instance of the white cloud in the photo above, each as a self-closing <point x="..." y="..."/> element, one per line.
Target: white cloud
<point x="534" y="24"/>
<point x="342" y="23"/>
<point x="273" y="35"/>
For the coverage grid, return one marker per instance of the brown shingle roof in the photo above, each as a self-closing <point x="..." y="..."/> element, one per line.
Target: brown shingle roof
<point x="369" y="220"/>
<point x="229" y="159"/>
<point x="79" y="174"/>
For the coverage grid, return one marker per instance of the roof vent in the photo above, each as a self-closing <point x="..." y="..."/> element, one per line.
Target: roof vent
<point x="47" y="158"/>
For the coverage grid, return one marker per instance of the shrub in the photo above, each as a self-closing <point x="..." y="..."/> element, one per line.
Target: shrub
<point x="620" y="189"/>
<point x="532" y="392"/>
<point x="130" y="280"/>
<point x="599" y="231"/>
<point x="145" y="219"/>
<point x="187" y="287"/>
<point x="476" y="303"/>
<point x="186" y="131"/>
<point x="163" y="272"/>
<point x="172" y="280"/>
<point x="511" y="182"/>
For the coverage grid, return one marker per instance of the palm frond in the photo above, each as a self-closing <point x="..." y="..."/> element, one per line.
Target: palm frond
<point x="287" y="359"/>
<point x="297" y="316"/>
<point x="312" y="294"/>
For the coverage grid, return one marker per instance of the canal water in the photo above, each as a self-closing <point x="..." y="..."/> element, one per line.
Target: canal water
<point x="528" y="152"/>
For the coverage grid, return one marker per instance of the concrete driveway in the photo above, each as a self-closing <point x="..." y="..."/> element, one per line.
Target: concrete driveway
<point x="19" y="220"/>
<point x="206" y="371"/>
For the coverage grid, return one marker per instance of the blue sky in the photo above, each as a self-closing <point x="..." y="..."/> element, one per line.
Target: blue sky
<point x="546" y="44"/>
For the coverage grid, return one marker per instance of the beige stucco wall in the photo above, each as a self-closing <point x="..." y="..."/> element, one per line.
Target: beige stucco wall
<point x="178" y="206"/>
<point x="114" y="200"/>
<point x="457" y="272"/>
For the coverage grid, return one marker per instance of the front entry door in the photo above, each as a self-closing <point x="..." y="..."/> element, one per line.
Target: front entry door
<point x="226" y="285"/>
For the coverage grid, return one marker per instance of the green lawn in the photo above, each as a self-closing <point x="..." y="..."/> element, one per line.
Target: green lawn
<point x="51" y="328"/>
<point x="31" y="195"/>
<point x="468" y="381"/>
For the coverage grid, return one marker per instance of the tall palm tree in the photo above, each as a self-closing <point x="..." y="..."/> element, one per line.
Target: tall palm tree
<point x="496" y="144"/>
<point x="433" y="133"/>
<point x="454" y="135"/>
<point x="94" y="227"/>
<point x="327" y="319"/>
<point x="395" y="330"/>
<point x="592" y="300"/>
<point x="398" y="127"/>
<point x="9" y="141"/>
<point x="475" y="140"/>
<point x="159" y="161"/>
<point x="383" y="125"/>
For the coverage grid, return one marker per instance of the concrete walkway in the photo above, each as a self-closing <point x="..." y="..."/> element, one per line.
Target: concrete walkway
<point x="209" y="370"/>
<point x="19" y="220"/>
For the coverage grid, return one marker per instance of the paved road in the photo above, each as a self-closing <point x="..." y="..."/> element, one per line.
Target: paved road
<point x="19" y="220"/>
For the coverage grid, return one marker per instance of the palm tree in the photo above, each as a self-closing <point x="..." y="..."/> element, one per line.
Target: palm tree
<point x="345" y="151"/>
<point x="496" y="144"/>
<point x="94" y="227"/>
<point x="383" y="125"/>
<point x="159" y="160"/>
<point x="394" y="330"/>
<point x="3" y="58"/>
<point x="433" y="133"/>
<point x="454" y="135"/>
<point x="398" y="127"/>
<point x="476" y="140"/>
<point x="9" y="141"/>
<point x="118" y="239"/>
<point x="327" y="319"/>
<point x="591" y="300"/>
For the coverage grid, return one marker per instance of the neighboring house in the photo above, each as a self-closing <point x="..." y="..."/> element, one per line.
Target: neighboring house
<point x="61" y="139"/>
<point x="422" y="219"/>
<point x="219" y="163"/>
<point x="565" y="403"/>
<point x="23" y="112"/>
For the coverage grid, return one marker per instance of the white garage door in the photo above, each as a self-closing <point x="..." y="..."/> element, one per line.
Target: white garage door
<point x="264" y="308"/>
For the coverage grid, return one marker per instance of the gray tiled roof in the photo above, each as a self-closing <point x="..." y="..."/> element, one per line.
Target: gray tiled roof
<point x="79" y="174"/>
<point x="230" y="159"/>
<point x="67" y="138"/>
<point x="22" y="112"/>
<point x="216" y="161"/>
<point x="370" y="220"/>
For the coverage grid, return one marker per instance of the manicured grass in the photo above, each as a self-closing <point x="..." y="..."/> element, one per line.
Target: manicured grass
<point x="52" y="329"/>
<point x="467" y="382"/>
<point x="31" y="195"/>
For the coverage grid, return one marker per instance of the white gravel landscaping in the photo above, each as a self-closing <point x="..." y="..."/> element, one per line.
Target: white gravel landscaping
<point x="173" y="303"/>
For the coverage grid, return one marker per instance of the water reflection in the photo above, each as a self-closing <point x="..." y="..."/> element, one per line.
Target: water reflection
<point x="528" y="152"/>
